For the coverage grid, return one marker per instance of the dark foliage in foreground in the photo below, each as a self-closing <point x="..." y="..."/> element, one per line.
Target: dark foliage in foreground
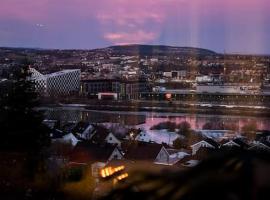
<point x="230" y="176"/>
<point x="23" y="135"/>
<point x="21" y="125"/>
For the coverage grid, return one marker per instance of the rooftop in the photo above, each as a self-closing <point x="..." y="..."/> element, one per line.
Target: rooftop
<point x="61" y="72"/>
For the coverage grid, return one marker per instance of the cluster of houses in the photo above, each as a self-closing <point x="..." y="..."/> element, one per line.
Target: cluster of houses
<point x="95" y="146"/>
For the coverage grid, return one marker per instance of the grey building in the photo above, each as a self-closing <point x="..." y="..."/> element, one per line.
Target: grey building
<point x="123" y="89"/>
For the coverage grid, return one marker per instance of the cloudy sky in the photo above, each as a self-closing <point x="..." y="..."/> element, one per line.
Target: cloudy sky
<point x="241" y="26"/>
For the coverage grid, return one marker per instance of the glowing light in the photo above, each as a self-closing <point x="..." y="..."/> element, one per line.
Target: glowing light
<point x="168" y="96"/>
<point x="122" y="177"/>
<point x="109" y="171"/>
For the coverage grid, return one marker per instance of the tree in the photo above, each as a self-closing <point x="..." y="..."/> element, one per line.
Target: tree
<point x="184" y="129"/>
<point x="170" y="126"/>
<point x="249" y="130"/>
<point x="180" y="143"/>
<point x="21" y="124"/>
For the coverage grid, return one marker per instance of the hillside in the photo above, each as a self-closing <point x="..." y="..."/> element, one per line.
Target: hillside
<point x="158" y="50"/>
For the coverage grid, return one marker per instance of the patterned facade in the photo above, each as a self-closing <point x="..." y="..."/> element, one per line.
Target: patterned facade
<point x="64" y="82"/>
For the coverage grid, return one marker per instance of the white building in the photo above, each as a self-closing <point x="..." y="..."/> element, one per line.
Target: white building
<point x="143" y="137"/>
<point x="227" y="89"/>
<point x="59" y="83"/>
<point x="204" y="79"/>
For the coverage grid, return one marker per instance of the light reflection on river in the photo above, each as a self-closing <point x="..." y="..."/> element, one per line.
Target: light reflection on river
<point x="148" y="119"/>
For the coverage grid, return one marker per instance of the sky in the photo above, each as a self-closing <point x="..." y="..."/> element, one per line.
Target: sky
<point x="232" y="26"/>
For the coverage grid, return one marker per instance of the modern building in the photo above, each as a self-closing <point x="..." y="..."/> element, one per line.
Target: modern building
<point x="118" y="89"/>
<point x="64" y="82"/>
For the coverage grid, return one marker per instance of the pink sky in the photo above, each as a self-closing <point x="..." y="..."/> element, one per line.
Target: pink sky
<point x="233" y="25"/>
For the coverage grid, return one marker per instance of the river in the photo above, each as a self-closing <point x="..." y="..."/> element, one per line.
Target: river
<point x="149" y="119"/>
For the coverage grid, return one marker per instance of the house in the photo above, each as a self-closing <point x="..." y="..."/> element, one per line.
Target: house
<point x="87" y="153"/>
<point x="201" y="154"/>
<point x="260" y="146"/>
<point x="206" y="143"/>
<point x="176" y="155"/>
<point x="70" y="138"/>
<point x="62" y="137"/>
<point x="181" y="153"/>
<point x="84" y="130"/>
<point x="132" y="134"/>
<point x="188" y="162"/>
<point x="191" y="163"/>
<point x="56" y="134"/>
<point x="102" y="135"/>
<point x="143" y="136"/>
<point x="144" y="151"/>
<point x="236" y="143"/>
<point x="263" y="135"/>
<point x="50" y="123"/>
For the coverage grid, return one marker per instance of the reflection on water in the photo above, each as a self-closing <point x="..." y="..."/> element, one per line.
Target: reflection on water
<point x="148" y="119"/>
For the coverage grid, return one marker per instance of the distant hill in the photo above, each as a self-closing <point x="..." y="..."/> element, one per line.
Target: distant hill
<point x="158" y="50"/>
<point x="144" y="50"/>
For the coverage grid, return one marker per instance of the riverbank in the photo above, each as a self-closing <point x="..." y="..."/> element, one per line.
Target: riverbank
<point x="169" y="107"/>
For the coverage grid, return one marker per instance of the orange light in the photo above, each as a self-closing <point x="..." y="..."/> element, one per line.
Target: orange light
<point x="122" y="176"/>
<point x="109" y="171"/>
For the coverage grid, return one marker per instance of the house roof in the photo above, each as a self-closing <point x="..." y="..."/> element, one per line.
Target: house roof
<point x="266" y="143"/>
<point x="174" y="151"/>
<point x="142" y="151"/>
<point x="68" y="127"/>
<point x="57" y="134"/>
<point x="212" y="142"/>
<point x="209" y="141"/>
<point x="100" y="134"/>
<point x="80" y="127"/>
<point x="261" y="135"/>
<point x="241" y="143"/>
<point x="238" y="141"/>
<point x="87" y="152"/>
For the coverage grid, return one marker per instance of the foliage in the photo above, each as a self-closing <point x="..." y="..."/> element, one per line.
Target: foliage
<point x="82" y="189"/>
<point x="219" y="125"/>
<point x="21" y="125"/>
<point x="74" y="174"/>
<point x="184" y="129"/>
<point x="179" y="143"/>
<point x="249" y="130"/>
<point x="225" y="176"/>
<point x="170" y="126"/>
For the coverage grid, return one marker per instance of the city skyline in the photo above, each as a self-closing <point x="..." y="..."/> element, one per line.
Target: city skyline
<point x="231" y="26"/>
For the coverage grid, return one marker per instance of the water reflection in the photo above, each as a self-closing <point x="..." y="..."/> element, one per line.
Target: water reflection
<point x="148" y="119"/>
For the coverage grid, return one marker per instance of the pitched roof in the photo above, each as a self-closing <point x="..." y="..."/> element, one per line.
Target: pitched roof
<point x="238" y="141"/>
<point x="212" y="142"/>
<point x="100" y="134"/>
<point x="263" y="134"/>
<point x="80" y="127"/>
<point x="68" y="127"/>
<point x="57" y="134"/>
<point x="241" y="143"/>
<point x="87" y="152"/>
<point x="142" y="151"/>
<point x="266" y="143"/>
<point x="209" y="141"/>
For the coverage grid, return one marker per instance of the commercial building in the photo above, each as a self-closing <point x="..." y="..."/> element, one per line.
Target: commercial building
<point x="64" y="82"/>
<point x="175" y="74"/>
<point x="228" y="89"/>
<point x="117" y="89"/>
